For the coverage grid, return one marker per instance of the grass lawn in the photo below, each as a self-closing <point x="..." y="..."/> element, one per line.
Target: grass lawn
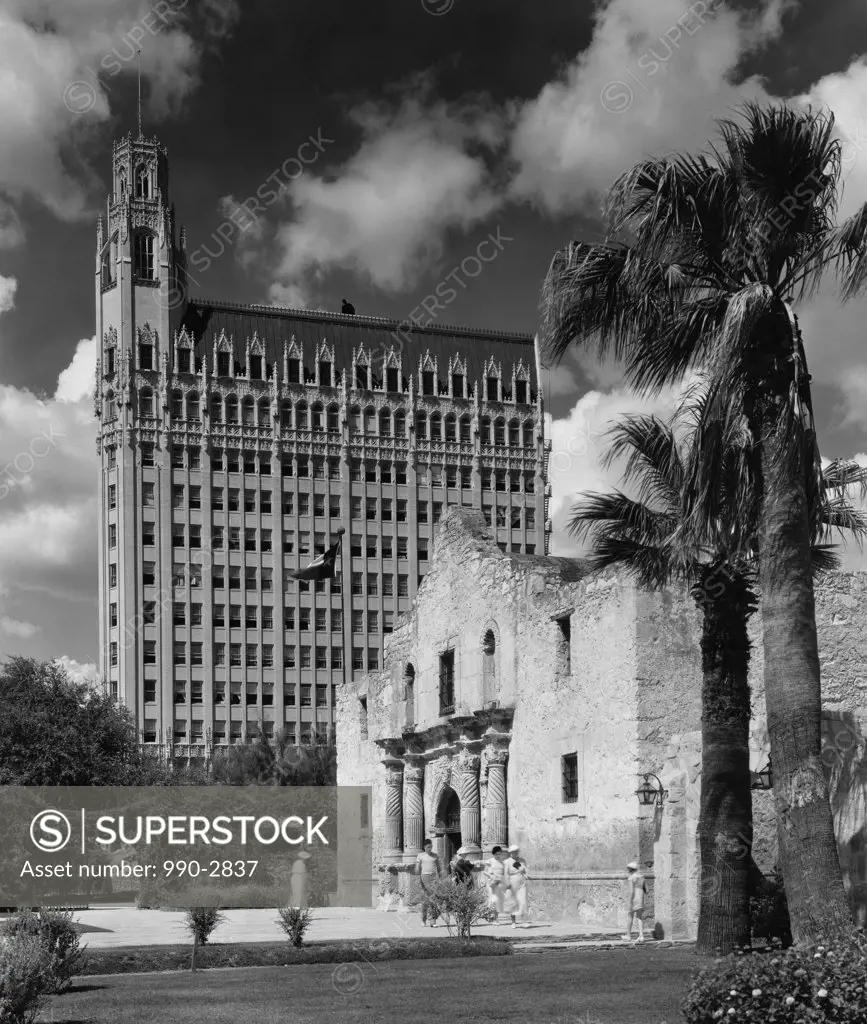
<point x="629" y="986"/>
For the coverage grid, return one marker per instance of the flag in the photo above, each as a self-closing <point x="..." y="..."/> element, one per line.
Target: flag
<point x="321" y="568"/>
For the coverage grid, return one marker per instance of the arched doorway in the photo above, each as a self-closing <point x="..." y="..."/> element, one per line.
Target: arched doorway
<point x="448" y="823"/>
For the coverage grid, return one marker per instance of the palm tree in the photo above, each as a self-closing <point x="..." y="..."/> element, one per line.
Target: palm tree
<point x="719" y="247"/>
<point x="650" y="537"/>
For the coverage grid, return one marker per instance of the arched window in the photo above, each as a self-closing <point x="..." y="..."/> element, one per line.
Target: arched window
<point x="301" y="420"/>
<point x="485" y="429"/>
<point x="400" y="423"/>
<point x="216" y="409"/>
<point x="146" y="402"/>
<point x="231" y="409"/>
<point x="451" y="427"/>
<point x="355" y="419"/>
<point x="409" y="694"/>
<point x="248" y="412"/>
<point x="121" y="182"/>
<point x="286" y="414"/>
<point x="110" y="407"/>
<point x="499" y="432"/>
<point x="421" y="425"/>
<point x="370" y="420"/>
<point x="514" y="433"/>
<point x="436" y="427"/>
<point x="193" y="407"/>
<point x="489" y="666"/>
<point x="316" y="412"/>
<point x="177" y="405"/>
<point x="384" y="423"/>
<point x="466" y="428"/>
<point x="333" y="419"/>
<point x="144" y="256"/>
<point x="264" y="412"/>
<point x="528" y="434"/>
<point x="142" y="183"/>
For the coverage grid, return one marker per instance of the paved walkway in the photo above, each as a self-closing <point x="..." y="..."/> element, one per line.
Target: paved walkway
<point x="108" y="927"/>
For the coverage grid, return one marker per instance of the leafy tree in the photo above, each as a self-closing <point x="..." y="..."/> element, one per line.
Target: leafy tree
<point x="650" y="538"/>
<point x="265" y="761"/>
<point x="705" y="258"/>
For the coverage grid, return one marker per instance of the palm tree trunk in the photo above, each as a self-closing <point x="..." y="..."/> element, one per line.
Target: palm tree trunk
<point x="818" y="906"/>
<point x="725" y="823"/>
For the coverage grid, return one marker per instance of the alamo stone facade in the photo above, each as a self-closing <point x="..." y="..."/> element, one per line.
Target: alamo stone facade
<point x="522" y="701"/>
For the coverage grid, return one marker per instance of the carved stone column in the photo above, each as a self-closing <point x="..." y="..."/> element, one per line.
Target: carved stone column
<point x="471" y="814"/>
<point x="496" y="805"/>
<point x="393" y="808"/>
<point x="413" y="806"/>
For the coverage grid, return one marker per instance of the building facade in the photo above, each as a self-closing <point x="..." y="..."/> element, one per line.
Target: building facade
<point x="522" y="701"/>
<point x="236" y="441"/>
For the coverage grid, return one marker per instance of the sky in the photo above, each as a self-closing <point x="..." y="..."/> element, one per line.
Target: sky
<point x="396" y="136"/>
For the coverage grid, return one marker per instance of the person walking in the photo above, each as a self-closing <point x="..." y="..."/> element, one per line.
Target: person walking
<point x="462" y="868"/>
<point x="495" y="877"/>
<point x="635" y="901"/>
<point x="516" y="884"/>
<point x="427" y="865"/>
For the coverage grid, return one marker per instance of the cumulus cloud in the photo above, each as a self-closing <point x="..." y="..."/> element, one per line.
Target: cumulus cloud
<point x="419" y="172"/>
<point x="80" y="672"/>
<point x="56" y="60"/>
<point x="12" y="627"/>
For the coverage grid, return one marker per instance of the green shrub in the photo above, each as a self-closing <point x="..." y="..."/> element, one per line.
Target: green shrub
<point x="295" y="923"/>
<point x="26" y="977"/>
<point x="783" y="986"/>
<point x="57" y="933"/>
<point x="201" y="921"/>
<point x="769" y="912"/>
<point x="460" y="906"/>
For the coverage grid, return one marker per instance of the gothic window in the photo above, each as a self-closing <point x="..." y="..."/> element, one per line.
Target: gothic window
<point x="499" y="432"/>
<point x="361" y="378"/>
<point x="514" y="433"/>
<point x="458" y="385"/>
<point x="294" y="371"/>
<point x="184" y="360"/>
<point x="146" y="400"/>
<point x="466" y="428"/>
<point x="451" y="426"/>
<point x="248" y="412"/>
<point x="177" y="405"/>
<point x="142" y="183"/>
<point x="301" y="421"/>
<point x="255" y="367"/>
<point x="316" y="413"/>
<point x="324" y="373"/>
<point x="421" y="425"/>
<point x="370" y="421"/>
<point x="528" y="434"/>
<point x="355" y="420"/>
<point x="193" y="407"/>
<point x="121" y="182"/>
<point x="110" y="407"/>
<point x="436" y="425"/>
<point x="144" y="256"/>
<point x="216" y="409"/>
<point x="145" y="356"/>
<point x="392" y="383"/>
<point x="333" y="419"/>
<point x="492" y="389"/>
<point x="521" y="392"/>
<point x="286" y="414"/>
<point x="223" y="369"/>
<point x="231" y="409"/>
<point x="109" y="361"/>
<point x="400" y="423"/>
<point x="485" y="430"/>
<point x="384" y="423"/>
<point x="489" y="666"/>
<point x="264" y="412"/>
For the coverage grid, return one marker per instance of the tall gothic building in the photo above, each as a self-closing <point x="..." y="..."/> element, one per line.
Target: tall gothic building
<point x="236" y="441"/>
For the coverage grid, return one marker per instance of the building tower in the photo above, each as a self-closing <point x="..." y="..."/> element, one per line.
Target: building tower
<point x="236" y="441"/>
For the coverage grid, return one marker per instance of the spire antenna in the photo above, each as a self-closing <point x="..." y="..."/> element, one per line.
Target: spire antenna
<point x="138" y="64"/>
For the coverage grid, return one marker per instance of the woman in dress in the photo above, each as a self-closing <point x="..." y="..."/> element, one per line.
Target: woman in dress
<point x="495" y="878"/>
<point x="462" y="868"/>
<point x="635" y="901"/>
<point x="516" y="884"/>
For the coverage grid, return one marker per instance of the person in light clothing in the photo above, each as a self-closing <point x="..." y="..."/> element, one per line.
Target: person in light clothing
<point x="635" y="901"/>
<point x="516" y="885"/>
<point x="427" y="866"/>
<point x="495" y="878"/>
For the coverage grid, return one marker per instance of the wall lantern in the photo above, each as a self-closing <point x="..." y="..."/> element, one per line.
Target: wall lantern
<point x="764" y="777"/>
<point x="647" y="793"/>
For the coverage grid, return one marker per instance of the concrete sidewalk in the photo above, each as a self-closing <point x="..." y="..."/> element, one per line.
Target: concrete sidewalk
<point x="109" y="927"/>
